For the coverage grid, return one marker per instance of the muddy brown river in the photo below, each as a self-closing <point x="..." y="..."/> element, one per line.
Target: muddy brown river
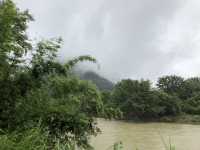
<point x="147" y="136"/>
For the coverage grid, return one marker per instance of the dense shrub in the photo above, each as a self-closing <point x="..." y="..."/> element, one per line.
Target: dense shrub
<point x="192" y="105"/>
<point x="137" y="100"/>
<point x="32" y="139"/>
<point x="36" y="88"/>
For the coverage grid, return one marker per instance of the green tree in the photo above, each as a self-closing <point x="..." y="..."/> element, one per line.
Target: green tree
<point x="40" y="89"/>
<point x="131" y="97"/>
<point x="64" y="106"/>
<point x="14" y="41"/>
<point x="170" y="84"/>
<point x="165" y="104"/>
<point x="192" y="104"/>
<point x="110" y="110"/>
<point x="190" y="87"/>
<point x="14" y="44"/>
<point x="137" y="100"/>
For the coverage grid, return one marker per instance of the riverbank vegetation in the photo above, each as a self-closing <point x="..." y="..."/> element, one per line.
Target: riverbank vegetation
<point x="173" y="99"/>
<point x="42" y="104"/>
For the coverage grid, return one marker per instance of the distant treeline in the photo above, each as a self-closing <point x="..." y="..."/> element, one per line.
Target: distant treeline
<point x="172" y="96"/>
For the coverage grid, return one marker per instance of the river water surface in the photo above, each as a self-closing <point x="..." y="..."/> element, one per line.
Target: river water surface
<point x="147" y="136"/>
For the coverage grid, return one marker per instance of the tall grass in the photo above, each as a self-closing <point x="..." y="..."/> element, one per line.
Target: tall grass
<point x="33" y="139"/>
<point x="36" y="139"/>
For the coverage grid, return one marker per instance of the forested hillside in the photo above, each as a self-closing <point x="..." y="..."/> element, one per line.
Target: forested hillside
<point x="101" y="82"/>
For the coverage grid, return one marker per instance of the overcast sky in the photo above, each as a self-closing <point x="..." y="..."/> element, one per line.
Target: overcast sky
<point x="130" y="38"/>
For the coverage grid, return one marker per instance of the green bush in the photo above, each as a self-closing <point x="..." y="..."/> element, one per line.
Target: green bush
<point x="192" y="105"/>
<point x="32" y="139"/>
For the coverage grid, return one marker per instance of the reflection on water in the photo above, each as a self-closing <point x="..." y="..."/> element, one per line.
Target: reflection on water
<point x="147" y="136"/>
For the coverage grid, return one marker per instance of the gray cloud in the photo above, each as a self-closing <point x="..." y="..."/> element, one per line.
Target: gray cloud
<point x="130" y="38"/>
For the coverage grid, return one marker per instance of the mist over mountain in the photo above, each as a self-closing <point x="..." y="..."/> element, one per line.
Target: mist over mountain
<point x="130" y="39"/>
<point x="101" y="82"/>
